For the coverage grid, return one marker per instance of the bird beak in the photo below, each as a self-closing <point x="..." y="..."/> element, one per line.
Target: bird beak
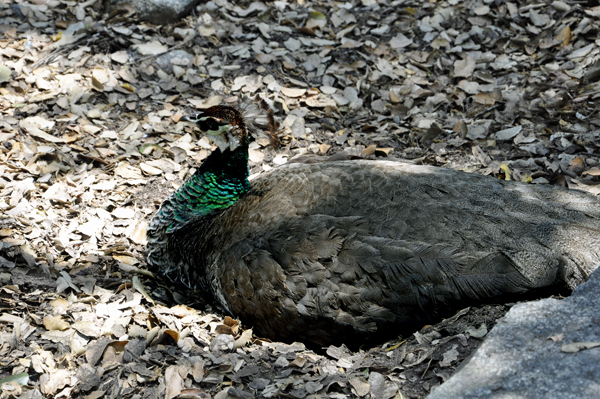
<point x="189" y="118"/>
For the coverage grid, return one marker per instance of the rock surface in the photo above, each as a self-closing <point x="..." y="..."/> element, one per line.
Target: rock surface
<point x="525" y="357"/>
<point x="158" y="12"/>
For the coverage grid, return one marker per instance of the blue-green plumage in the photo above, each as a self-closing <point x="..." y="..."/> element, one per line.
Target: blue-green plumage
<point x="219" y="183"/>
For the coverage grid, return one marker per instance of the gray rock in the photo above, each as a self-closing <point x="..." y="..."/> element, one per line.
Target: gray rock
<point x="159" y="12"/>
<point x="519" y="360"/>
<point x="165" y="61"/>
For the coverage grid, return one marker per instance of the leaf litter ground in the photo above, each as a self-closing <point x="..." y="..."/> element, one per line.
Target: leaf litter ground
<point x="91" y="145"/>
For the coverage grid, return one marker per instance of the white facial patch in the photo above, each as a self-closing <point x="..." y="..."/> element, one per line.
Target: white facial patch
<point x="219" y="136"/>
<point x="222" y="136"/>
<point x="223" y="129"/>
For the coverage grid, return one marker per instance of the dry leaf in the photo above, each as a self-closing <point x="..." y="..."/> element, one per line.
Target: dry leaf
<point x="595" y="171"/>
<point x="243" y="340"/>
<point x="564" y="35"/>
<point x="293" y="92"/>
<point x="557" y="337"/>
<point x="575" y="347"/>
<point x="507" y="173"/>
<point x="55" y="323"/>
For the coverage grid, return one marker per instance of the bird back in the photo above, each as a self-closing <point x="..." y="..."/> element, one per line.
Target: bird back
<point x="345" y="250"/>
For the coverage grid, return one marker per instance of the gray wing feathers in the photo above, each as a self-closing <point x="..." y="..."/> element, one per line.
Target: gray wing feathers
<point x="370" y="243"/>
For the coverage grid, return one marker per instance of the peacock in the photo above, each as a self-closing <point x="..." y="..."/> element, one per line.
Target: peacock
<point x="348" y="251"/>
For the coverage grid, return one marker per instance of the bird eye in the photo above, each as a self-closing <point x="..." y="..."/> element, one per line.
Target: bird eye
<point x="210" y="124"/>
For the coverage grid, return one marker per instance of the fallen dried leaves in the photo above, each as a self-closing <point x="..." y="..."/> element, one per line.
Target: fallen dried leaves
<point x="91" y="143"/>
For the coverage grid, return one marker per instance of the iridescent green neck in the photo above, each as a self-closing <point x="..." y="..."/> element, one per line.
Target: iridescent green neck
<point x="219" y="183"/>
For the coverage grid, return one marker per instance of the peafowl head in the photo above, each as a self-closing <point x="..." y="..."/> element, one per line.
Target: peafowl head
<point x="224" y="125"/>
